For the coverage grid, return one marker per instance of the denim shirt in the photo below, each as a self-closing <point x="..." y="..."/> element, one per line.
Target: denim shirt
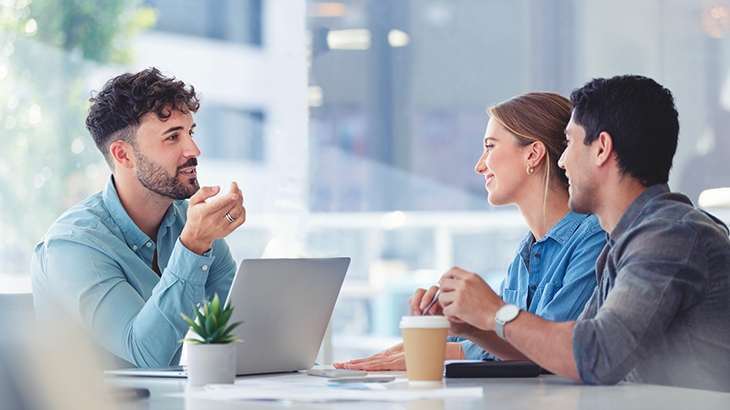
<point x="553" y="277"/>
<point x="94" y="266"/>
<point x="661" y="311"/>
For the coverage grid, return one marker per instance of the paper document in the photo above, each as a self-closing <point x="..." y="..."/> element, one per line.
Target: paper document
<point x="315" y="390"/>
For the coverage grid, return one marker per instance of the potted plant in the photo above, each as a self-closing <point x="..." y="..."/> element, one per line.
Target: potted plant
<point x="212" y="355"/>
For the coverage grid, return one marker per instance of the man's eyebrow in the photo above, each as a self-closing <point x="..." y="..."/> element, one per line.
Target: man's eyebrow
<point x="172" y="129"/>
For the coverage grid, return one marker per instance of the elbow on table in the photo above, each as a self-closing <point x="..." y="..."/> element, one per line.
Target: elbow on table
<point x="599" y="377"/>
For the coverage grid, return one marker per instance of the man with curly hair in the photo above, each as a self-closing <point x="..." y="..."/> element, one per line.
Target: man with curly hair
<point x="124" y="263"/>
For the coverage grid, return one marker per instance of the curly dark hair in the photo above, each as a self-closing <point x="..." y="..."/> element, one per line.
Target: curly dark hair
<point x="116" y="110"/>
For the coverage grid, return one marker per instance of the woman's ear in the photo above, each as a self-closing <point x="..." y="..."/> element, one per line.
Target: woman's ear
<point x="536" y="154"/>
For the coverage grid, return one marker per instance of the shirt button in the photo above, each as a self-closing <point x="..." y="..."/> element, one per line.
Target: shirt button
<point x="134" y="247"/>
<point x="537" y="255"/>
<point x="148" y="244"/>
<point x="533" y="287"/>
<point x="204" y="267"/>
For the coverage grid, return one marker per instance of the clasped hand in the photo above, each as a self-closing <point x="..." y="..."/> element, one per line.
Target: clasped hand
<point x="467" y="299"/>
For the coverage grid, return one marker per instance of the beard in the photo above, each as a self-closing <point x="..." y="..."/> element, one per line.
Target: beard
<point x="583" y="200"/>
<point x="157" y="180"/>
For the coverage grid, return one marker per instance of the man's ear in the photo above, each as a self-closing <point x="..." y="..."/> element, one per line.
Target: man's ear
<point x="604" y="148"/>
<point x="122" y="154"/>
<point x="536" y="154"/>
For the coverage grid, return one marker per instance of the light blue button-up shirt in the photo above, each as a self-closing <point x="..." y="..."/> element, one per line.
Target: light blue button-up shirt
<point x="94" y="266"/>
<point x="553" y="277"/>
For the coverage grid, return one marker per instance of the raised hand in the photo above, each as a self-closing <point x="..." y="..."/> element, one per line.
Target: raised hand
<point x="208" y="221"/>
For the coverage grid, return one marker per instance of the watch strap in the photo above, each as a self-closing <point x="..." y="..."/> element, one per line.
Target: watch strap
<point x="499" y="324"/>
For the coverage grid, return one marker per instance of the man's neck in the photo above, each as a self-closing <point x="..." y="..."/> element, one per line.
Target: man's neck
<point x="615" y="199"/>
<point x="144" y="207"/>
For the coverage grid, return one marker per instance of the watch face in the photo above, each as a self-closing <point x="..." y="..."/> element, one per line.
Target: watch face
<point x="507" y="313"/>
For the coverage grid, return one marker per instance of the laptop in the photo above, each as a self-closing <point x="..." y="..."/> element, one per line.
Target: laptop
<point x="285" y="306"/>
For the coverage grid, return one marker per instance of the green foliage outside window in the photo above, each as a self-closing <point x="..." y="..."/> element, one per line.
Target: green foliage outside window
<point x="49" y="49"/>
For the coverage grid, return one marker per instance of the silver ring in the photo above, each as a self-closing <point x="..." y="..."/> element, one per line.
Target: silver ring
<point x="230" y="218"/>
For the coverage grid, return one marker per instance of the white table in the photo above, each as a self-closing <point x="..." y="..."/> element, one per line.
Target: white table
<point x="543" y="392"/>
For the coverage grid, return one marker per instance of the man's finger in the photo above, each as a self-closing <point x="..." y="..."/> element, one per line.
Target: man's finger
<point x="204" y="193"/>
<point x="234" y="188"/>
<point x="224" y="202"/>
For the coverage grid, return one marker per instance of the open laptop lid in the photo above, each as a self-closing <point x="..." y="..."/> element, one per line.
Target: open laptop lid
<point x="285" y="306"/>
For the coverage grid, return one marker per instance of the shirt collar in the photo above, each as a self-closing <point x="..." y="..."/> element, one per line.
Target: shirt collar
<point x="562" y="231"/>
<point x="132" y="234"/>
<point x="635" y="208"/>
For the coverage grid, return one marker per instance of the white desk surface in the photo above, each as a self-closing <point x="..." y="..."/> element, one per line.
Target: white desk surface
<point x="543" y="393"/>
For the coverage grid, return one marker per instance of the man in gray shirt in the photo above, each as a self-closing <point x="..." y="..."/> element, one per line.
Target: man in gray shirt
<point x="661" y="311"/>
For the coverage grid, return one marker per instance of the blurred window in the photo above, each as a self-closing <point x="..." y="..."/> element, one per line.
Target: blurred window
<point x="352" y="126"/>
<point x="230" y="20"/>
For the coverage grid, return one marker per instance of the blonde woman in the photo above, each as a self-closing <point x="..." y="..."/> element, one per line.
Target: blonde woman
<point x="553" y="270"/>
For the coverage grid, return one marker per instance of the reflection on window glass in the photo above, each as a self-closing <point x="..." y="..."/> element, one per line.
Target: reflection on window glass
<point x="230" y="20"/>
<point x="228" y="133"/>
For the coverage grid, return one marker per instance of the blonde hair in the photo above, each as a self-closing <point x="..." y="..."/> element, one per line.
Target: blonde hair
<point x="538" y="117"/>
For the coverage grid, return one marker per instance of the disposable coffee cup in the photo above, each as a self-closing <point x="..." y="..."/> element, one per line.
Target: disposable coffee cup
<point x="424" y="341"/>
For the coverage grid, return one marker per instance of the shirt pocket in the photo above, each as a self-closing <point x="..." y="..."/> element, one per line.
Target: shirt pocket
<point x="509" y="296"/>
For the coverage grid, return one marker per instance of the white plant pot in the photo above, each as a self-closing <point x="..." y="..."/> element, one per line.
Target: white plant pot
<point x="211" y="363"/>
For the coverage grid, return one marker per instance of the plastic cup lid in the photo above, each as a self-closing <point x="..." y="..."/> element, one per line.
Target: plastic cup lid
<point x="424" y="322"/>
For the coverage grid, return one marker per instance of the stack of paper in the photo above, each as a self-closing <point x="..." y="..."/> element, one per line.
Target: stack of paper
<point x="312" y="390"/>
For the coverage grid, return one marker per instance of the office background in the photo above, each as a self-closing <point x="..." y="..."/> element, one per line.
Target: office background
<point x="351" y="126"/>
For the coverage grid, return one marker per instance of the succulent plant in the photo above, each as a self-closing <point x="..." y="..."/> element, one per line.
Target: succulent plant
<point x="210" y="323"/>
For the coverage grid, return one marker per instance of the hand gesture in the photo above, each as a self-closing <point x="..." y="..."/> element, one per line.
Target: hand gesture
<point x="208" y="221"/>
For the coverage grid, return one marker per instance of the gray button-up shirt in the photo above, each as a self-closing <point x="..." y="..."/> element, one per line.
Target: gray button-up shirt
<point x="661" y="311"/>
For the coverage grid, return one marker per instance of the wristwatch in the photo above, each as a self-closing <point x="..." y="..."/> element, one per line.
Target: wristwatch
<point x="505" y="314"/>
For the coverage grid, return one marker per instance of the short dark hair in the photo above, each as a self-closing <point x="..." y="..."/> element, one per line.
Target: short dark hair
<point x="641" y="118"/>
<point x="116" y="110"/>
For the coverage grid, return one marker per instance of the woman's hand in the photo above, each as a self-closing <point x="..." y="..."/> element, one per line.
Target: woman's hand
<point x="392" y="358"/>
